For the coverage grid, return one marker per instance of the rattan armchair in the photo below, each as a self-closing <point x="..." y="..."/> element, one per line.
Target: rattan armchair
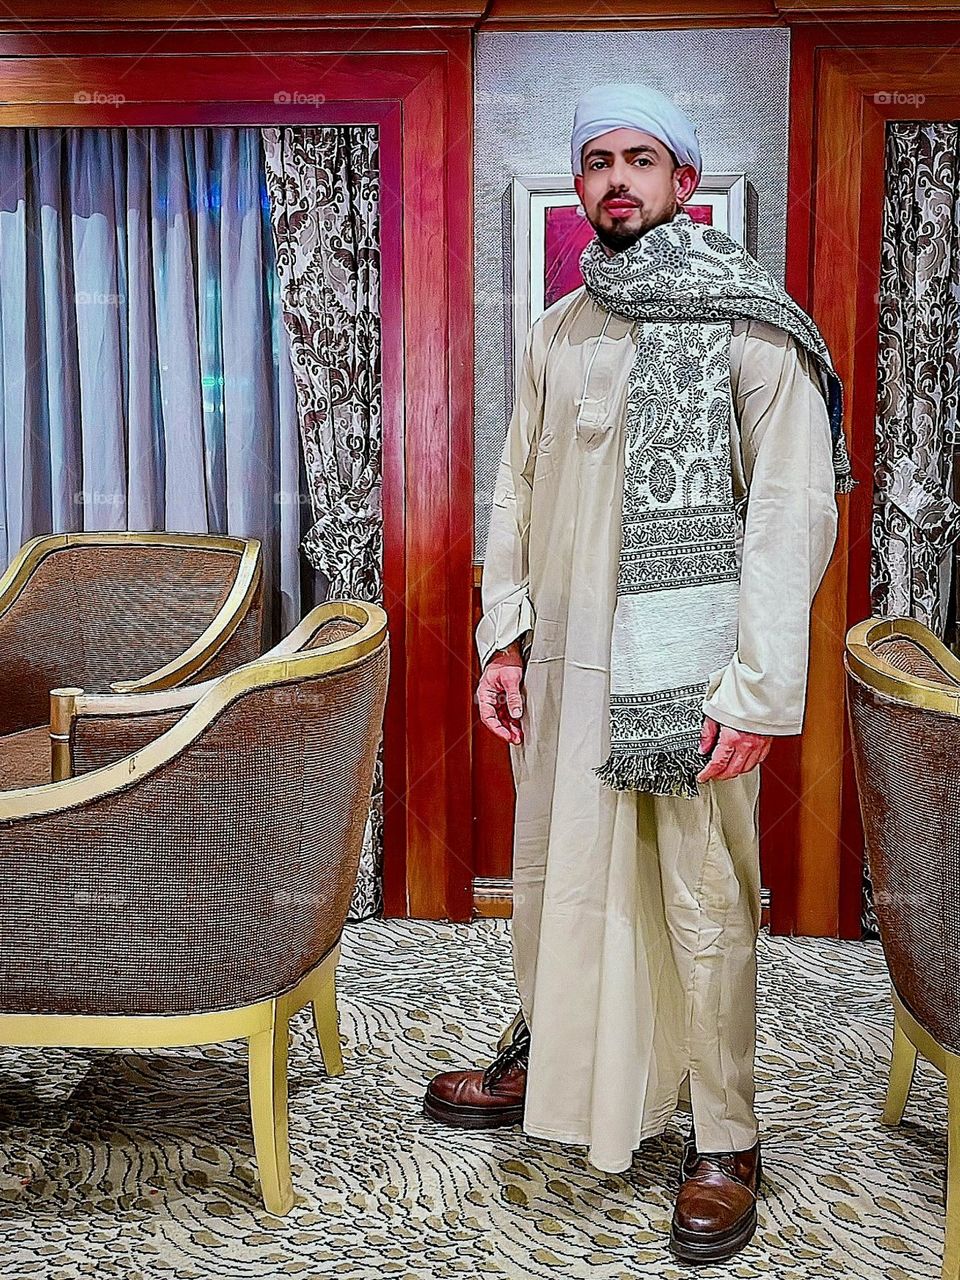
<point x="196" y="890"/>
<point x="903" y="689"/>
<point x="90" y="730"/>
<point x="131" y="611"/>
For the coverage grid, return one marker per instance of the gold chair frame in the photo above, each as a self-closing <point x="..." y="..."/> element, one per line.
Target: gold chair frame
<point x="211" y="640"/>
<point x="263" y="1024"/>
<point x="70" y="703"/>
<point x="874" y="670"/>
<point x="909" y="1036"/>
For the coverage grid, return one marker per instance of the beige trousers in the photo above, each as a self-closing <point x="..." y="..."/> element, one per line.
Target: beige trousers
<point x="681" y="1028"/>
<point x="710" y="873"/>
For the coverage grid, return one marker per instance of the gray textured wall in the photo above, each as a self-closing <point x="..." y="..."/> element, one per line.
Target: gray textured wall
<point x="732" y="83"/>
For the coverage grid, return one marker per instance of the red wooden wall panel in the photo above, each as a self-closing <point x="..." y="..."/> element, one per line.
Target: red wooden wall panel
<point x="845" y="84"/>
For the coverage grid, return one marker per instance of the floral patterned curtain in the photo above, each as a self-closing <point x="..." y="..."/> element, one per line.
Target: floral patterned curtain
<point x="324" y="188"/>
<point x="915" y="518"/>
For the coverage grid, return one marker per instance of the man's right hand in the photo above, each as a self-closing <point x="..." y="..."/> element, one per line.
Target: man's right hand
<point x="498" y="694"/>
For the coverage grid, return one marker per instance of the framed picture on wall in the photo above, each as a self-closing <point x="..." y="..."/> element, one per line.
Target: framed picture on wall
<point x="550" y="231"/>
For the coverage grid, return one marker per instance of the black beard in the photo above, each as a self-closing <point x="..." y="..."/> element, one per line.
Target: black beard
<point x="617" y="240"/>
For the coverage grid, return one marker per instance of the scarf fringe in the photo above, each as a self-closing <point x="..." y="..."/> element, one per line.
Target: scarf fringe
<point x="662" y="773"/>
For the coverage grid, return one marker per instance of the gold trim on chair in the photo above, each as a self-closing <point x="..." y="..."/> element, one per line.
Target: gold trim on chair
<point x="874" y="670"/>
<point x="909" y="1038"/>
<point x="866" y="665"/>
<point x="68" y="705"/>
<point x="214" y="636"/>
<point x="29" y="802"/>
<point x="220" y="629"/>
<point x="263" y="1025"/>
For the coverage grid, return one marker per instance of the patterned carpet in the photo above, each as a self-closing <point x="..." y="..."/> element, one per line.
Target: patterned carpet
<point x="141" y="1166"/>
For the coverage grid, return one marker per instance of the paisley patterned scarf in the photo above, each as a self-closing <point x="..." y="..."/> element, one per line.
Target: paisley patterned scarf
<point x="675" y="621"/>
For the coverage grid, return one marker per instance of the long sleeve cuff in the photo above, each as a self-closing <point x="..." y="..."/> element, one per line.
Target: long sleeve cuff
<point x="739" y="698"/>
<point x="501" y="625"/>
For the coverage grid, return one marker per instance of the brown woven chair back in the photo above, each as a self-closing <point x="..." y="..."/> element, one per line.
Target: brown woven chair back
<point x="903" y="687"/>
<point x="98" y="740"/>
<point x="217" y="879"/>
<point x="93" y="612"/>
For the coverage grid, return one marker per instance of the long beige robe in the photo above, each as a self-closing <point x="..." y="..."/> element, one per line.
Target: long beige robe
<point x="635" y="916"/>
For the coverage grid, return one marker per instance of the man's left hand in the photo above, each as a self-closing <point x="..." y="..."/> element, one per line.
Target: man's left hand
<point x="731" y="751"/>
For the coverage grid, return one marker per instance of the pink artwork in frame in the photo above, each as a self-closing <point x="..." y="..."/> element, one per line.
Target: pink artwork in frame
<point x="566" y="235"/>
<point x="550" y="231"/>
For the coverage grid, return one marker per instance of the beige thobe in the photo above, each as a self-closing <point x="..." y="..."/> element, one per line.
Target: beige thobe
<point x="635" y="916"/>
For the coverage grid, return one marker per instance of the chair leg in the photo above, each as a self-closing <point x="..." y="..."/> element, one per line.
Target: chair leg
<point x="903" y="1061"/>
<point x="327" y="1028"/>
<point x="951" y="1244"/>
<point x="268" y="1109"/>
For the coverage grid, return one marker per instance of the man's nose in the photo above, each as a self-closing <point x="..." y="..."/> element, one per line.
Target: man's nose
<point x="620" y="176"/>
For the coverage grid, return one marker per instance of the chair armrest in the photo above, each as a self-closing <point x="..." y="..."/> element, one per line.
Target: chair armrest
<point x="90" y="730"/>
<point x="144" y="886"/>
<point x="244" y="596"/>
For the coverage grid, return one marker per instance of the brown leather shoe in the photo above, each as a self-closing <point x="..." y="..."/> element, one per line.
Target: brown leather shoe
<point x="481" y="1099"/>
<point x="716" y="1210"/>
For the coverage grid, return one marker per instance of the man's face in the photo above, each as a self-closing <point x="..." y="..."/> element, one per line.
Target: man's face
<point x="630" y="184"/>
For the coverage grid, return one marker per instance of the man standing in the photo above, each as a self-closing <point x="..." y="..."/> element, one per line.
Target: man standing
<point x="663" y="514"/>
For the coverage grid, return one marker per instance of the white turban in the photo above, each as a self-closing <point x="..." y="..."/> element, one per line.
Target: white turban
<point x="633" y="106"/>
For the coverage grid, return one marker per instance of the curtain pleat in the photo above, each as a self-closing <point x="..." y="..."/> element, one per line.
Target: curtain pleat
<point x="145" y="377"/>
<point x="173" y="357"/>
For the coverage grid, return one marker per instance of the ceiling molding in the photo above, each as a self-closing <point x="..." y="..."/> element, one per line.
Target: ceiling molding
<point x="567" y="14"/>
<point x="37" y="16"/>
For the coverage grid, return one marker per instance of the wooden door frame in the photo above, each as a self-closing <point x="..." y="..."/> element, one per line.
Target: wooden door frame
<point x="416" y="85"/>
<point x="810" y="818"/>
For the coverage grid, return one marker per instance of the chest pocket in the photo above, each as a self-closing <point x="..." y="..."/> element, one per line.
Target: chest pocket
<point x="599" y="396"/>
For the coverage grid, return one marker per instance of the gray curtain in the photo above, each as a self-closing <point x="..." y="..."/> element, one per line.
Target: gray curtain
<point x="916" y="521"/>
<point x="324" y="186"/>
<point x="145" y="379"/>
